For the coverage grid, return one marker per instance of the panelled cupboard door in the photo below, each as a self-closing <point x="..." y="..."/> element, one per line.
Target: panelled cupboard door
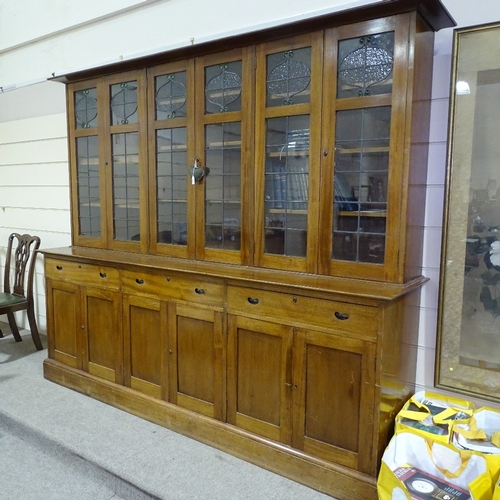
<point x="145" y="345"/>
<point x="260" y="378"/>
<point x="101" y="325"/>
<point x="288" y="128"/>
<point x="63" y="311"/>
<point x="366" y="157"/>
<point x="108" y="152"/>
<point x="196" y="352"/>
<point x="333" y="398"/>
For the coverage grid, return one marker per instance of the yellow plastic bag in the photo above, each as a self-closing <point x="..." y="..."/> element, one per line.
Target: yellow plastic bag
<point x="459" y="469"/>
<point x="433" y="415"/>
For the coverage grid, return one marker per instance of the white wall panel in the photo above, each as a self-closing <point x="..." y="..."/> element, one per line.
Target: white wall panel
<point x="44" y="151"/>
<point x="46" y="175"/>
<point x="31" y="129"/>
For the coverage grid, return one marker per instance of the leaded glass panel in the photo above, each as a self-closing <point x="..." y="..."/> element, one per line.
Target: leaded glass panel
<point x="223" y="84"/>
<point x="89" y="203"/>
<point x="170" y="95"/>
<point x="123" y="106"/>
<point x="288" y="77"/>
<point x="365" y="65"/>
<point x="171" y="175"/>
<point x="85" y="102"/>
<point x="223" y="186"/>
<point x="125" y="164"/>
<point x="286" y="185"/>
<point x="360" y="184"/>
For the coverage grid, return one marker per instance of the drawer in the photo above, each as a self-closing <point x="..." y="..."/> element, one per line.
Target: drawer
<point x="353" y="319"/>
<point x="173" y="286"/>
<point x="76" y="272"/>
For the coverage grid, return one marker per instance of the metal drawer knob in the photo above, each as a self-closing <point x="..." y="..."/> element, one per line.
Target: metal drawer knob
<point x="199" y="291"/>
<point x="341" y="316"/>
<point x="253" y="301"/>
<point x="139" y="282"/>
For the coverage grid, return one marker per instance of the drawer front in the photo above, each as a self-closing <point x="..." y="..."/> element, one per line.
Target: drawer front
<point x="108" y="277"/>
<point x="173" y="286"/>
<point x="354" y="319"/>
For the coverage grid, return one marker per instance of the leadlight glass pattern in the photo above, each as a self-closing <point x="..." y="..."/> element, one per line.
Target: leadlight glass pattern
<point x="360" y="184"/>
<point x="171" y="198"/>
<point x="124" y="103"/>
<point x="223" y="186"/>
<point x="125" y="164"/>
<point x="86" y="108"/>
<point x="223" y="87"/>
<point x="289" y="77"/>
<point x="365" y="65"/>
<point x="286" y="185"/>
<point x="170" y="95"/>
<point x="89" y="206"/>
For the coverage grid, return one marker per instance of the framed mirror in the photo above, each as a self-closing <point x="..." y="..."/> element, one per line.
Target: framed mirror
<point x="468" y="344"/>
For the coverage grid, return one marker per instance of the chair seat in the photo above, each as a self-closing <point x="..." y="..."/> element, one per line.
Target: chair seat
<point x="9" y="299"/>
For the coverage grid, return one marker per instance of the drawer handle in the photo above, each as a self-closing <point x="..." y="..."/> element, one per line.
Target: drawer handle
<point x="139" y="282"/>
<point x="341" y="316"/>
<point x="59" y="268"/>
<point x="253" y="301"/>
<point x="102" y="275"/>
<point x="199" y="291"/>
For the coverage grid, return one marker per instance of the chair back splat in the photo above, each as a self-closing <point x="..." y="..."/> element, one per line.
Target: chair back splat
<point x="20" y="297"/>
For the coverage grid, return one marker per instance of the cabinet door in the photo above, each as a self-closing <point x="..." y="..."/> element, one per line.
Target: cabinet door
<point x="364" y="193"/>
<point x="259" y="377"/>
<point x="145" y="345"/>
<point x="288" y="117"/>
<point x="334" y="384"/>
<point x="196" y="359"/>
<point x="102" y="333"/>
<point x="63" y="322"/>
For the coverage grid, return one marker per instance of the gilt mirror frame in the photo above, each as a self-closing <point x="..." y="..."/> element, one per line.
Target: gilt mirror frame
<point x="468" y="340"/>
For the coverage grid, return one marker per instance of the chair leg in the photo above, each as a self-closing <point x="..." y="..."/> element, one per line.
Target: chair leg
<point x="34" y="330"/>
<point x="1" y="334"/>
<point x="13" y="327"/>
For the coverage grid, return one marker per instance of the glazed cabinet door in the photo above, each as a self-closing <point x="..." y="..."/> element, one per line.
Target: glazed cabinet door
<point x="366" y="154"/>
<point x="101" y="325"/>
<point x="108" y="156"/>
<point x="145" y="345"/>
<point x="288" y="118"/>
<point x="260" y="377"/>
<point x="196" y="351"/>
<point x="63" y="325"/>
<point x="333" y="398"/>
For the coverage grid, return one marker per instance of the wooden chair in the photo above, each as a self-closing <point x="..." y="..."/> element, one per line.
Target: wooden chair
<point x="23" y="269"/>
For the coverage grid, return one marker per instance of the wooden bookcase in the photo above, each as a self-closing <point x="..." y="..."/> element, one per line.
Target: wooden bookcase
<point x="269" y="307"/>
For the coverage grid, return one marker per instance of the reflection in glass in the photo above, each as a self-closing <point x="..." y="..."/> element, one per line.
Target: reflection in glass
<point x="124" y="103"/>
<point x="286" y="185"/>
<point x="360" y="184"/>
<point x="223" y="88"/>
<point x="89" y="203"/>
<point x="125" y="164"/>
<point x="171" y="95"/>
<point x="171" y="175"/>
<point x="365" y="65"/>
<point x="85" y="108"/>
<point x="289" y="77"/>
<point x="223" y="186"/>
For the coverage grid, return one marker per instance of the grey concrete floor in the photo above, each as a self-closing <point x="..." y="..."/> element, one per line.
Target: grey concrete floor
<point x="57" y="444"/>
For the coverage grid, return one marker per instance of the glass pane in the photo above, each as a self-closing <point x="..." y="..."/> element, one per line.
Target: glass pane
<point x="223" y="186"/>
<point x="89" y="202"/>
<point x="123" y="103"/>
<point x="85" y="102"/>
<point x="170" y="95"/>
<point x="365" y="65"/>
<point x="125" y="162"/>
<point x="288" y="77"/>
<point x="360" y="184"/>
<point x="171" y="181"/>
<point x="286" y="185"/>
<point x="223" y="88"/>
